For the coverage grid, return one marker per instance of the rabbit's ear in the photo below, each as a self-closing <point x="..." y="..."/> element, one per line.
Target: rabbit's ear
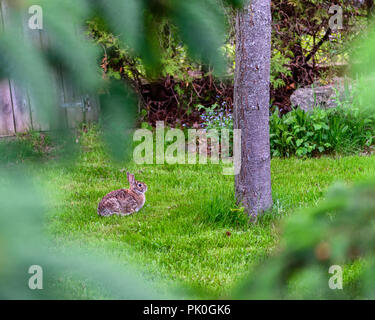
<point x="130" y="177"/>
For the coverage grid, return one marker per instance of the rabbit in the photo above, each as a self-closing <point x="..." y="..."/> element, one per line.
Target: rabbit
<point x="124" y="202"/>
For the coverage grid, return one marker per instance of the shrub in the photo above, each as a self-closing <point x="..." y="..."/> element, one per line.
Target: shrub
<point x="314" y="240"/>
<point x="342" y="129"/>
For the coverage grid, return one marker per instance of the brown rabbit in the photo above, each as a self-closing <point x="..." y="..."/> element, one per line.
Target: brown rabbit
<point x="124" y="202"/>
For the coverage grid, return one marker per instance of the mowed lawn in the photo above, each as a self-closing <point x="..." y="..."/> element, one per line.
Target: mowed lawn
<point x="190" y="231"/>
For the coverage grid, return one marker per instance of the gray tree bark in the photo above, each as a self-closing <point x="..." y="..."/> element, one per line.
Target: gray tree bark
<point x="251" y="105"/>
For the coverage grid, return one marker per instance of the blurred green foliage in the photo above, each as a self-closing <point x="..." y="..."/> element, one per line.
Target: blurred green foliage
<point x="339" y="231"/>
<point x="199" y="25"/>
<point x="31" y="145"/>
<point x="121" y="61"/>
<point x="23" y="244"/>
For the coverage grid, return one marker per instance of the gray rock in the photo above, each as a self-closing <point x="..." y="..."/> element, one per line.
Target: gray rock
<point x="324" y="96"/>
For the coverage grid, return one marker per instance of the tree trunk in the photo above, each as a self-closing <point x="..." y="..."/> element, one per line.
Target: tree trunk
<point x="251" y="105"/>
<point x="370" y="8"/>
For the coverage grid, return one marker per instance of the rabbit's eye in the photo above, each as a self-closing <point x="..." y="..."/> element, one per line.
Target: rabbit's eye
<point x="139" y="185"/>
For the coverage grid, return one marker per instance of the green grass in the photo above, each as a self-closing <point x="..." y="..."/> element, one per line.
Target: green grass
<point x="190" y="231"/>
<point x="25" y="146"/>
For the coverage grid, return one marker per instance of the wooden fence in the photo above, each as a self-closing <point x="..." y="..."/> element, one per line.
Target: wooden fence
<point x="19" y="114"/>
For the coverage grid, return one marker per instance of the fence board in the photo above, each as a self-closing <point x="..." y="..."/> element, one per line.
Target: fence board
<point x="73" y="102"/>
<point x="56" y="84"/>
<point x="6" y="110"/>
<point x="1" y="17"/>
<point x="34" y="37"/>
<point x="19" y="97"/>
<point x="18" y="109"/>
<point x="6" y="107"/>
<point x="92" y="114"/>
<point x="21" y="108"/>
<point x="4" y="8"/>
<point x="20" y="101"/>
<point x="58" y="80"/>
